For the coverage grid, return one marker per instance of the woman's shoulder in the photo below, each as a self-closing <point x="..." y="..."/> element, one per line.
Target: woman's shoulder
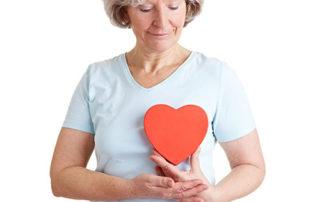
<point x="108" y="66"/>
<point x="211" y="62"/>
<point x="107" y="63"/>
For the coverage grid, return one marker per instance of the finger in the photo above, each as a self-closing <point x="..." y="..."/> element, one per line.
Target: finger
<point x="194" y="161"/>
<point x="162" y="172"/>
<point x="178" y="189"/>
<point x="156" y="153"/>
<point x="159" y="170"/>
<point x="190" y="192"/>
<point x="182" y="186"/>
<point x="167" y="174"/>
<point x="165" y="193"/>
<point x="168" y="168"/>
<point x="192" y="199"/>
<point x="159" y="181"/>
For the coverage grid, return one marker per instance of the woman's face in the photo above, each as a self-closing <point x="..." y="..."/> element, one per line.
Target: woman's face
<point x="157" y="24"/>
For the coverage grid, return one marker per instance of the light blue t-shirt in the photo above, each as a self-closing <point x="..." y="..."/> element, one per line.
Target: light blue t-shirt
<point x="111" y="105"/>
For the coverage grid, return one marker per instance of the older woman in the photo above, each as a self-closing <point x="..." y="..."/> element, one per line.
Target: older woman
<point x="107" y="109"/>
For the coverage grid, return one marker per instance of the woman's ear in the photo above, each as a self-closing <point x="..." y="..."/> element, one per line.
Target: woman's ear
<point x="124" y="16"/>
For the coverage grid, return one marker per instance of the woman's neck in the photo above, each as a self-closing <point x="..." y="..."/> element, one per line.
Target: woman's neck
<point x="152" y="62"/>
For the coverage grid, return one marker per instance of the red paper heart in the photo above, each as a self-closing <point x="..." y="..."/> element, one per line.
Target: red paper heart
<point x="175" y="133"/>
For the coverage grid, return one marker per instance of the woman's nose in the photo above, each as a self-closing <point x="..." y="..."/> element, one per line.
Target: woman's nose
<point x="161" y="18"/>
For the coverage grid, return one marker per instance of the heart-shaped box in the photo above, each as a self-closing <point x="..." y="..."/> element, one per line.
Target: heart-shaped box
<point x="175" y="133"/>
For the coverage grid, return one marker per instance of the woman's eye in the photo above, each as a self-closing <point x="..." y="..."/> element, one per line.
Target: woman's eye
<point x="145" y="8"/>
<point x="173" y="8"/>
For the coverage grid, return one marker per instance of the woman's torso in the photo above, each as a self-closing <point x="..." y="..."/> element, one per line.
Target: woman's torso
<point x="118" y="104"/>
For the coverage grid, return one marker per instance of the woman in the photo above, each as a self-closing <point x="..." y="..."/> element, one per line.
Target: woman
<point x="107" y="108"/>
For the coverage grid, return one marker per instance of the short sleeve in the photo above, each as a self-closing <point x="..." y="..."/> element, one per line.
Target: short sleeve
<point x="233" y="118"/>
<point x="78" y="114"/>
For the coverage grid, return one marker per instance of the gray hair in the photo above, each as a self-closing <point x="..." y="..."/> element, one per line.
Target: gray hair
<point x="117" y="13"/>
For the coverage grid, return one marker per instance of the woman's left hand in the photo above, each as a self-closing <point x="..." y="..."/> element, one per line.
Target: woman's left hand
<point x="167" y="169"/>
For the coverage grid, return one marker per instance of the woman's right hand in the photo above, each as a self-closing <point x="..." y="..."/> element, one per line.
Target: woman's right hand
<point x="160" y="187"/>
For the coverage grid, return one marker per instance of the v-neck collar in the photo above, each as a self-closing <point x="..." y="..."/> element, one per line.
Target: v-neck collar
<point x="163" y="82"/>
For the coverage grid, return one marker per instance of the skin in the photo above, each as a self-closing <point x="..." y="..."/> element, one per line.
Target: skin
<point x="247" y="170"/>
<point x="157" y="26"/>
<point x="71" y="179"/>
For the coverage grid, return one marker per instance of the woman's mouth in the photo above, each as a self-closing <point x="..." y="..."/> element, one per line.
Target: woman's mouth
<point x="159" y="35"/>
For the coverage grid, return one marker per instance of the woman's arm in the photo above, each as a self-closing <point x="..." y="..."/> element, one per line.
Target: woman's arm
<point x="248" y="168"/>
<point x="70" y="178"/>
<point x="247" y="172"/>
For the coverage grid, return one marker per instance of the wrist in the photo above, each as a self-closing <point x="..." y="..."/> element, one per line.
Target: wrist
<point x="131" y="189"/>
<point x="214" y="194"/>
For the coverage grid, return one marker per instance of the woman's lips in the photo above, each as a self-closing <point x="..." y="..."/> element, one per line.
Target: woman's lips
<point x="159" y="34"/>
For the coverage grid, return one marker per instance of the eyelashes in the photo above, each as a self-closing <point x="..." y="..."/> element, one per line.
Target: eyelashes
<point x="174" y="8"/>
<point x="145" y="10"/>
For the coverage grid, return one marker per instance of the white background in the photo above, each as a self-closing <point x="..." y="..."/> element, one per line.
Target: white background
<point x="274" y="46"/>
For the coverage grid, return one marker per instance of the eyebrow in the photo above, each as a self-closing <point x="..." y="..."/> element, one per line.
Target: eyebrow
<point x="169" y="1"/>
<point x="174" y="1"/>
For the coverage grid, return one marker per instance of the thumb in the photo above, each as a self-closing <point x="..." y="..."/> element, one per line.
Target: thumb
<point x="194" y="161"/>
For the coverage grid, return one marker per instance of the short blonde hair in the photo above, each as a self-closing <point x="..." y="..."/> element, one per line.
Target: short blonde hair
<point x="117" y="10"/>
